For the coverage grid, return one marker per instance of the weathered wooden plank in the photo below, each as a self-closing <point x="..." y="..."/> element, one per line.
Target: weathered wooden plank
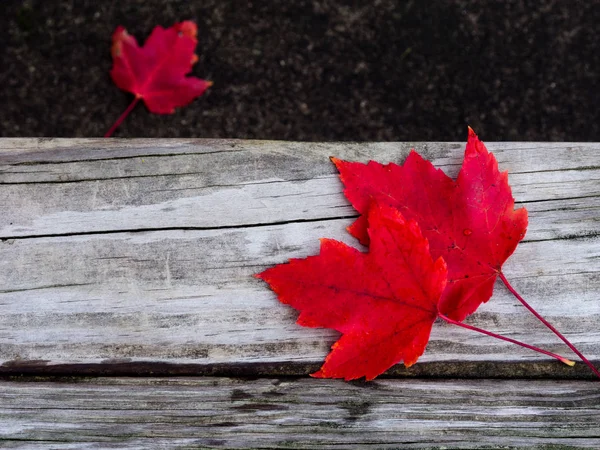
<point x="186" y="296"/>
<point x="189" y="297"/>
<point x="81" y="187"/>
<point x="305" y="413"/>
<point x="33" y="151"/>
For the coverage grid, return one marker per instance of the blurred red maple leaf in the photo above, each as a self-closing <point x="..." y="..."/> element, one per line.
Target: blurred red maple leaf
<point x="384" y="302"/>
<point x="157" y="71"/>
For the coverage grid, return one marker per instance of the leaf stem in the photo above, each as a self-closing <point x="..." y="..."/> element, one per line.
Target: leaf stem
<point x="566" y="361"/>
<point x="122" y="117"/>
<point x="545" y="322"/>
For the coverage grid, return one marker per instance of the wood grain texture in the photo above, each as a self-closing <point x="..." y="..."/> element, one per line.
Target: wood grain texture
<point x="123" y="256"/>
<point x="81" y="186"/>
<point x="306" y="413"/>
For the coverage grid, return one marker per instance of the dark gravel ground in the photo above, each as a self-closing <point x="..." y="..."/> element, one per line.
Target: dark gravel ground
<point x="315" y="70"/>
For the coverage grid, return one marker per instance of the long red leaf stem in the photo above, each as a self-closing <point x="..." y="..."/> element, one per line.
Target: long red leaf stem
<point x="545" y="322"/>
<point x="566" y="361"/>
<point x="122" y="117"/>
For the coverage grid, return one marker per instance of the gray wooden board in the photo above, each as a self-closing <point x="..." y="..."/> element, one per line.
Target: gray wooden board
<point x="299" y="413"/>
<point x="142" y="251"/>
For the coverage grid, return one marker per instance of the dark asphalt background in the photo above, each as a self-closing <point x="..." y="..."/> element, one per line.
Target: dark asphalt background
<point x="315" y="70"/>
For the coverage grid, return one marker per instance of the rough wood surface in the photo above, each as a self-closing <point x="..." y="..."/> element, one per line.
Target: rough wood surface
<point x="136" y="256"/>
<point x="306" y="413"/>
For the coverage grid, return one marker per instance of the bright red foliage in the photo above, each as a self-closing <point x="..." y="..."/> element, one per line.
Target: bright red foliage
<point x="157" y="71"/>
<point x="384" y="301"/>
<point x="470" y="222"/>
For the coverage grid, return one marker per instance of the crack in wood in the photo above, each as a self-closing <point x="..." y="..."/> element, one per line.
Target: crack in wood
<point x="149" y="229"/>
<point x="118" y="158"/>
<point x="583" y="236"/>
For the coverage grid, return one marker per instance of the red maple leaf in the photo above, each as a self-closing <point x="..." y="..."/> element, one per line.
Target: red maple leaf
<point x="157" y="71"/>
<point x="384" y="302"/>
<point x="470" y="222"/>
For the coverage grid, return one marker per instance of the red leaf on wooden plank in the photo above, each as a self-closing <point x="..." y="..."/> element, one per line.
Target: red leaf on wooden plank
<point x="384" y="301"/>
<point x="470" y="222"/>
